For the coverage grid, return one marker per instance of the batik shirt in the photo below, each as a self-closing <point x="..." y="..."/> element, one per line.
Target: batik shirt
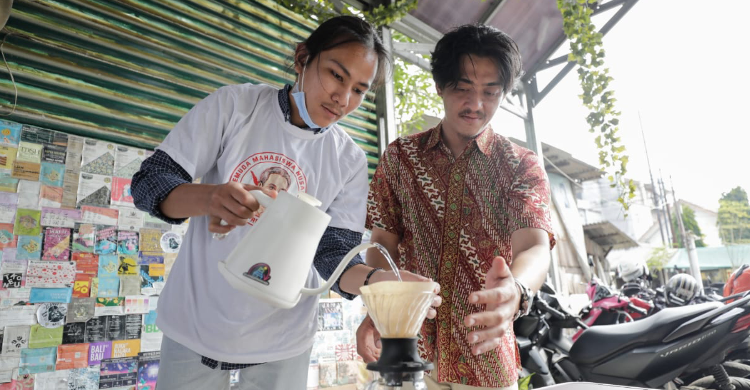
<point x="452" y="217"/>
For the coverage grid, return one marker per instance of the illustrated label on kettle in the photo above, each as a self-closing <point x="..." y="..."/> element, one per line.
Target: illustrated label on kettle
<point x="260" y="272"/>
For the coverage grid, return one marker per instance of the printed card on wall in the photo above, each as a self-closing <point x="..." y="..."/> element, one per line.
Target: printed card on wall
<point x="58" y="295"/>
<point x="128" y="265"/>
<point x="74" y="152"/>
<point x="118" y="373"/>
<point x="15" y="339"/>
<point x="110" y="306"/>
<point x="54" y="154"/>
<point x="126" y="348"/>
<point x="28" y="194"/>
<point x="128" y="160"/>
<point x="129" y="219"/>
<point x="14" y="296"/>
<point x="28" y="222"/>
<point x="41" y="337"/>
<point x="99" y="351"/>
<point x="82" y="286"/>
<point x="37" y="135"/>
<point x="121" y="195"/>
<point x="50" y="197"/>
<point x="18" y="315"/>
<point x="127" y="243"/>
<point x="94" y="287"/>
<point x="84" y="238"/>
<point x="136" y="304"/>
<point x="36" y="360"/>
<point x="98" y="157"/>
<point x="74" y="333"/>
<point x="8" y="183"/>
<point x="7" y="238"/>
<point x="10" y="133"/>
<point x="7" y="157"/>
<point x="8" y="202"/>
<point x="29" y="152"/>
<point x="56" y="243"/>
<point x="24" y="170"/>
<point x="106" y="241"/>
<point x="51" y="274"/>
<point x="150" y="240"/>
<point x="7" y="365"/>
<point x="81" y="309"/>
<point x="60" y="217"/>
<point x="84" y="379"/>
<point x="99" y="215"/>
<point x="133" y="327"/>
<point x="94" y="190"/>
<point x="96" y="329"/>
<point x="108" y="265"/>
<point x="150" y="258"/>
<point x="70" y="189"/>
<point x="29" y="248"/>
<point x="151" y="222"/>
<point x="54" y="380"/>
<point x="330" y="315"/>
<point x="130" y="285"/>
<point x="52" y="174"/>
<point x="52" y="315"/>
<point x="86" y="263"/>
<point x="151" y="284"/>
<point x="109" y="287"/>
<point x="14" y="272"/>
<point x="148" y="370"/>
<point x="116" y="329"/>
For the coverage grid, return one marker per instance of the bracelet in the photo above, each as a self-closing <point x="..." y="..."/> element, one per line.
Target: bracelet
<point x="367" y="278"/>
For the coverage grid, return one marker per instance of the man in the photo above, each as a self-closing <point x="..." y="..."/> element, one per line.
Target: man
<point x="469" y="209"/>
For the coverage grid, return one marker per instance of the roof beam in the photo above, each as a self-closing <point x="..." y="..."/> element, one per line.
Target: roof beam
<point x="492" y="11"/>
<point x="625" y="6"/>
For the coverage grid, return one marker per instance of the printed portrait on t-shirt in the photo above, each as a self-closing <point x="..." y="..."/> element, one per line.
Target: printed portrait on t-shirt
<point x="271" y="171"/>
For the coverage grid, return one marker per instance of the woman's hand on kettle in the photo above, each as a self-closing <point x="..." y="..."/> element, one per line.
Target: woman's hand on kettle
<point x="407" y="276"/>
<point x="232" y="203"/>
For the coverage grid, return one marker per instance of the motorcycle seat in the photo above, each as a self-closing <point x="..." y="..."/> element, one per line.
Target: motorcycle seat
<point x="600" y="342"/>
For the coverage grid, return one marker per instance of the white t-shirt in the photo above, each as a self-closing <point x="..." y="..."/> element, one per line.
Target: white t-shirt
<point x="238" y="133"/>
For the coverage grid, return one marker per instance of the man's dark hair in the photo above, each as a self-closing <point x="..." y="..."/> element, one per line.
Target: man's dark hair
<point x="480" y="41"/>
<point x="341" y="30"/>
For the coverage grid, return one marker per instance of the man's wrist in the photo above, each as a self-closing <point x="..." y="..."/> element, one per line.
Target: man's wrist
<point x="525" y="298"/>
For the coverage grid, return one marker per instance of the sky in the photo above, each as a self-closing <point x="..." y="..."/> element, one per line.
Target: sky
<point x="683" y="65"/>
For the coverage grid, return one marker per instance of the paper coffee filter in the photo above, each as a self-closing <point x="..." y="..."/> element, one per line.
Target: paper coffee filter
<point x="398" y="308"/>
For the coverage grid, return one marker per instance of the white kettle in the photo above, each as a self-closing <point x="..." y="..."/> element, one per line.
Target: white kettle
<point x="272" y="261"/>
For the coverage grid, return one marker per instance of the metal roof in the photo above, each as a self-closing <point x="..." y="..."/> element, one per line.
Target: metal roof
<point x="558" y="160"/>
<point x="607" y="235"/>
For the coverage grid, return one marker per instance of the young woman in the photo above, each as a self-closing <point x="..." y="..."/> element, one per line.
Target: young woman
<point x="230" y="139"/>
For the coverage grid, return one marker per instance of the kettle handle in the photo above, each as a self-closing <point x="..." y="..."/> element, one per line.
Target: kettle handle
<point x="262" y="198"/>
<point x="335" y="276"/>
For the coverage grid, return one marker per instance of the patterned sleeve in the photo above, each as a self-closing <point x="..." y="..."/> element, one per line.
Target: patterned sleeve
<point x="335" y="244"/>
<point x="158" y="176"/>
<point x="529" y="198"/>
<point x="383" y="207"/>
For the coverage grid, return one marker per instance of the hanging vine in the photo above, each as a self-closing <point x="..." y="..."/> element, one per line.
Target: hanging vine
<point x="586" y="50"/>
<point x="382" y="15"/>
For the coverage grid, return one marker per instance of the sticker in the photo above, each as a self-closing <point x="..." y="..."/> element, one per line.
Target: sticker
<point x="170" y="242"/>
<point x="260" y="272"/>
<point x="52" y="315"/>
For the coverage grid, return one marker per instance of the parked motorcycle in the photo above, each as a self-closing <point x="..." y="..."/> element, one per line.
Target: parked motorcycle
<point x="671" y="348"/>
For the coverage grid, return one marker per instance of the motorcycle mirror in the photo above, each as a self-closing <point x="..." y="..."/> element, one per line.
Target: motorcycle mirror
<point x="547" y="289"/>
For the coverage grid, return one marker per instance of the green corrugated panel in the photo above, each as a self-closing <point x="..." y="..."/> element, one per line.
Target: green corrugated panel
<point x="127" y="71"/>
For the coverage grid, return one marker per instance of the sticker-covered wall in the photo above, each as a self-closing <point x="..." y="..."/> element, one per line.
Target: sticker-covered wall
<point x="81" y="267"/>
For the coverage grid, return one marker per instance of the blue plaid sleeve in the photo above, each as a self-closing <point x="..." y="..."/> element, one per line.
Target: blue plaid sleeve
<point x="158" y="176"/>
<point x="334" y="245"/>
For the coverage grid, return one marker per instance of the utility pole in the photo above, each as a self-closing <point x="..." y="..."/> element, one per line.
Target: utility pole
<point x="689" y="242"/>
<point x="653" y="185"/>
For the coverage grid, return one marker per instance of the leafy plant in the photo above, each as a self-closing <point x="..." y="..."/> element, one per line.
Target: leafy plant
<point x="414" y="91"/>
<point x="586" y="50"/>
<point x="382" y="15"/>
